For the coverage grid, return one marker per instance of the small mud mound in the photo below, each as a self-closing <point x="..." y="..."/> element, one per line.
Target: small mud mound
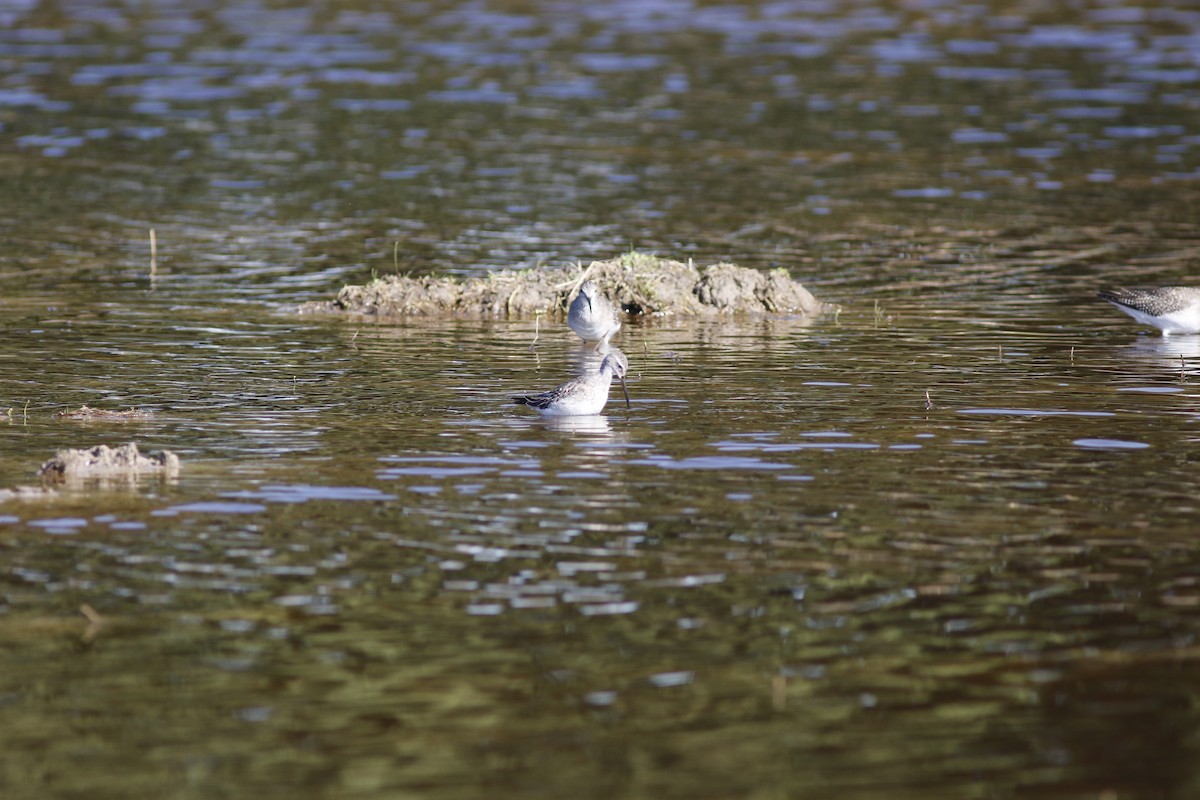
<point x="103" y="461"/>
<point x="502" y="294"/>
<point x="86" y="414"/>
<point x="638" y="283"/>
<point x="738" y="290"/>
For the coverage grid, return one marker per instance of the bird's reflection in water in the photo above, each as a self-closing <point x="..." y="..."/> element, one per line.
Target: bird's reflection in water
<point x="585" y="359"/>
<point x="593" y="425"/>
<point x="1178" y="355"/>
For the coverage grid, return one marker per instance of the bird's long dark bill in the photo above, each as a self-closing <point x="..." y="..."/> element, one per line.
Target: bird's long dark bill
<point x="626" y="391"/>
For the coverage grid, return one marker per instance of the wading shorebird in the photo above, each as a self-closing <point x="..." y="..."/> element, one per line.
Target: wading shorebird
<point x="586" y="394"/>
<point x="593" y="316"/>
<point x="1171" y="309"/>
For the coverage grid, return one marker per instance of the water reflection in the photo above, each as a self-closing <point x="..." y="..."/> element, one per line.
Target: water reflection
<point x="596" y="427"/>
<point x="1178" y="356"/>
<point x="585" y="358"/>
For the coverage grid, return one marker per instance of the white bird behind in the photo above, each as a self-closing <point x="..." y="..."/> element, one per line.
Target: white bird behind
<point x="592" y="315"/>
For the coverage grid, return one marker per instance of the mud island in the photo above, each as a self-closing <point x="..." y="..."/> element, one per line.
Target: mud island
<point x="638" y="283"/>
<point x="103" y="461"/>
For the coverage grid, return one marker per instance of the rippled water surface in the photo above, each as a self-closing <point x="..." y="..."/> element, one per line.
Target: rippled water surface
<point x="941" y="543"/>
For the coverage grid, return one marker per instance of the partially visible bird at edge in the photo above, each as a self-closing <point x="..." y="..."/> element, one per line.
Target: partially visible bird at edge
<point x="1171" y="309"/>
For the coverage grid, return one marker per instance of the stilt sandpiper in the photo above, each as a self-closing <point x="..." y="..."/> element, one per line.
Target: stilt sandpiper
<point x="586" y="394"/>
<point x="1171" y="309"/>
<point x="592" y="315"/>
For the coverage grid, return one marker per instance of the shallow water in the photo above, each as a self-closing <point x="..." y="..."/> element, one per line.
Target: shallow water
<point x="940" y="544"/>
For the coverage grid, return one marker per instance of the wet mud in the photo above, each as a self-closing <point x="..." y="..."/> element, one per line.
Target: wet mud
<point x="103" y="461"/>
